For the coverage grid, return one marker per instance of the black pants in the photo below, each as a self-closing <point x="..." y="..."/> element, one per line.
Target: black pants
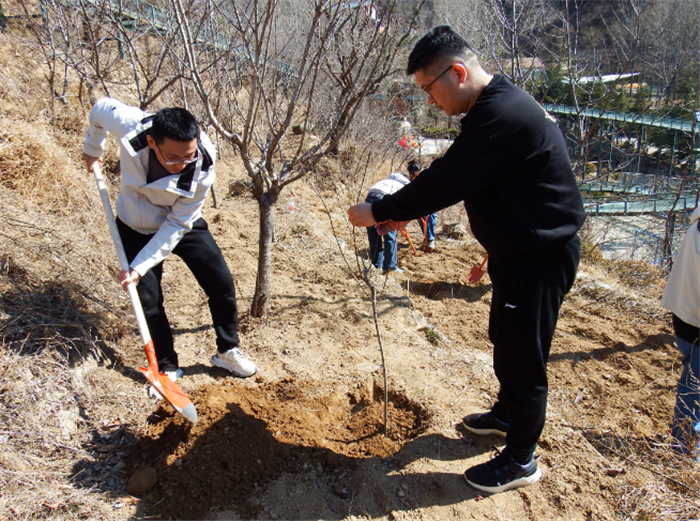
<point x="203" y="257"/>
<point x="528" y="291"/>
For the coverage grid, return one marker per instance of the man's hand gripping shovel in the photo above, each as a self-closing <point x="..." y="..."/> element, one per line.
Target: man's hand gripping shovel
<point x="167" y="389"/>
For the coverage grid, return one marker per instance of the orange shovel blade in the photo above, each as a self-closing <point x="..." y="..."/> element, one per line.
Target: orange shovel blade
<point x="475" y="274"/>
<point x="166" y="387"/>
<point x="171" y="393"/>
<point x="477" y="271"/>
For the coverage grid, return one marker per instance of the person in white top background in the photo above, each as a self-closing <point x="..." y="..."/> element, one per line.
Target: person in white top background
<point x="682" y="298"/>
<point x="383" y="249"/>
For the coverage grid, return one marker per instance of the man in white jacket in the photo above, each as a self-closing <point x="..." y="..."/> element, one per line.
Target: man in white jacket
<point x="682" y="298"/>
<point x="167" y="168"/>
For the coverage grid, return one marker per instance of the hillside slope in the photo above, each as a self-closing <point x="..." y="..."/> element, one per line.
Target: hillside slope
<point x="303" y="439"/>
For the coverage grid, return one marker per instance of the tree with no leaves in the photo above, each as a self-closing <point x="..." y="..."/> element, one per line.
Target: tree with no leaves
<point x="105" y="44"/>
<point x="253" y="71"/>
<point x="263" y="71"/>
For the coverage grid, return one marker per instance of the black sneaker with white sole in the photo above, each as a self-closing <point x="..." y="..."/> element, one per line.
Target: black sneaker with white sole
<point x="485" y="423"/>
<point x="503" y="473"/>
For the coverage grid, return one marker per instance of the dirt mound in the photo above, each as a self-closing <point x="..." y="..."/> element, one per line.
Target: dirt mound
<point x="247" y="437"/>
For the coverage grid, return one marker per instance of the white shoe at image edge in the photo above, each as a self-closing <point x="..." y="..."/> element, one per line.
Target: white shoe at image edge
<point x="173" y="375"/>
<point x="236" y="362"/>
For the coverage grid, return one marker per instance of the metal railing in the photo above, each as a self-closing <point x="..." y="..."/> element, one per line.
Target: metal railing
<point x="133" y="13"/>
<point x="649" y="206"/>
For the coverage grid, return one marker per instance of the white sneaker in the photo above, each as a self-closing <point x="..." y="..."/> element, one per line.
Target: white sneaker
<point x="236" y="362"/>
<point x="431" y="245"/>
<point x="173" y="375"/>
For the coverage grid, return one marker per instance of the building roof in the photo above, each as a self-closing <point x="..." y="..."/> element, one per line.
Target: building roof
<point x="605" y="78"/>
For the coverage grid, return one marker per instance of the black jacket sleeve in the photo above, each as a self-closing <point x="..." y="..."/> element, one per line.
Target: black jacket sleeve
<point x="511" y="168"/>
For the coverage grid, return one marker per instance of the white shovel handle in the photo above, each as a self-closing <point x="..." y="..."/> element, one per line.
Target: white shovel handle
<point x="123" y="262"/>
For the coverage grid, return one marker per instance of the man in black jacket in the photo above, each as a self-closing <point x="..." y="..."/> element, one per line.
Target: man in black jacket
<point x="510" y="167"/>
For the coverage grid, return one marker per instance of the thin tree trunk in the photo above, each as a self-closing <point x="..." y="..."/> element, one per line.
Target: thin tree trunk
<point x="667" y="246"/>
<point x="375" y="314"/>
<point x="267" y="232"/>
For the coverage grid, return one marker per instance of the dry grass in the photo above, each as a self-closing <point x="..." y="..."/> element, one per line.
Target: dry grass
<point x="637" y="274"/>
<point x="33" y="164"/>
<point x="667" y="484"/>
<point x="61" y="378"/>
<point x="43" y="439"/>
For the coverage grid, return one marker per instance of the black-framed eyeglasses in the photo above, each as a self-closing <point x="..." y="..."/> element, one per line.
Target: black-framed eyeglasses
<point x="172" y="162"/>
<point x="425" y="89"/>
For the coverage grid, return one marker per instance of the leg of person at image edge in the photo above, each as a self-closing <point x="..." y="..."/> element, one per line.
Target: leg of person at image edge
<point x="528" y="291"/>
<point x="202" y="256"/>
<point x="686" y="414"/>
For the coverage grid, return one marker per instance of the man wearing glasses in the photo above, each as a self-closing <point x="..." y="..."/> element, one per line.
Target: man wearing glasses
<point x="167" y="168"/>
<point x="511" y="169"/>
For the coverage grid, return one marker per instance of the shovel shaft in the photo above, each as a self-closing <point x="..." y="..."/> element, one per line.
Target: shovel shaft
<point x="166" y="388"/>
<point x="123" y="262"/>
<point x="410" y="242"/>
<point x="140" y="316"/>
<point x="102" y="187"/>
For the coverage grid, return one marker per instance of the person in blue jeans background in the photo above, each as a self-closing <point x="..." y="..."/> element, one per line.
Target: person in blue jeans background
<point x="383" y="252"/>
<point x="414" y="170"/>
<point x="682" y="298"/>
<point x="427" y="225"/>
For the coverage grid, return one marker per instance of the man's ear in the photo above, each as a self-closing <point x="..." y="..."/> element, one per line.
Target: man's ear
<point x="151" y="142"/>
<point x="461" y="71"/>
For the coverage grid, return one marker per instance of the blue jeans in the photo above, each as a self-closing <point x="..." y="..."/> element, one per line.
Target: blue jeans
<point x="686" y="414"/>
<point x="382" y="255"/>
<point x="431" y="221"/>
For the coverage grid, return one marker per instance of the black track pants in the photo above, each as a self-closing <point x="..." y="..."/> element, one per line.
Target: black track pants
<point x="528" y="291"/>
<point x="203" y="257"/>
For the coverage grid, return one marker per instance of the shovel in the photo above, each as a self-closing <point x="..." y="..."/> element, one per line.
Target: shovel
<point x="424" y="225"/>
<point x="410" y="242"/>
<point x="477" y="271"/>
<point x="160" y="382"/>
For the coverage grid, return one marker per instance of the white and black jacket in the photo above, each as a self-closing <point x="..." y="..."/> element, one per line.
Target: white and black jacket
<point x="167" y="207"/>
<point x="392" y="184"/>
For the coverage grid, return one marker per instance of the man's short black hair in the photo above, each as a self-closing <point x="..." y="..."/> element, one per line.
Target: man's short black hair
<point x="413" y="167"/>
<point x="174" y="123"/>
<point x="440" y="41"/>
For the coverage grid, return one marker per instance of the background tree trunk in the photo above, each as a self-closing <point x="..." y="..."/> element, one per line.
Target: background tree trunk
<point x="264" y="278"/>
